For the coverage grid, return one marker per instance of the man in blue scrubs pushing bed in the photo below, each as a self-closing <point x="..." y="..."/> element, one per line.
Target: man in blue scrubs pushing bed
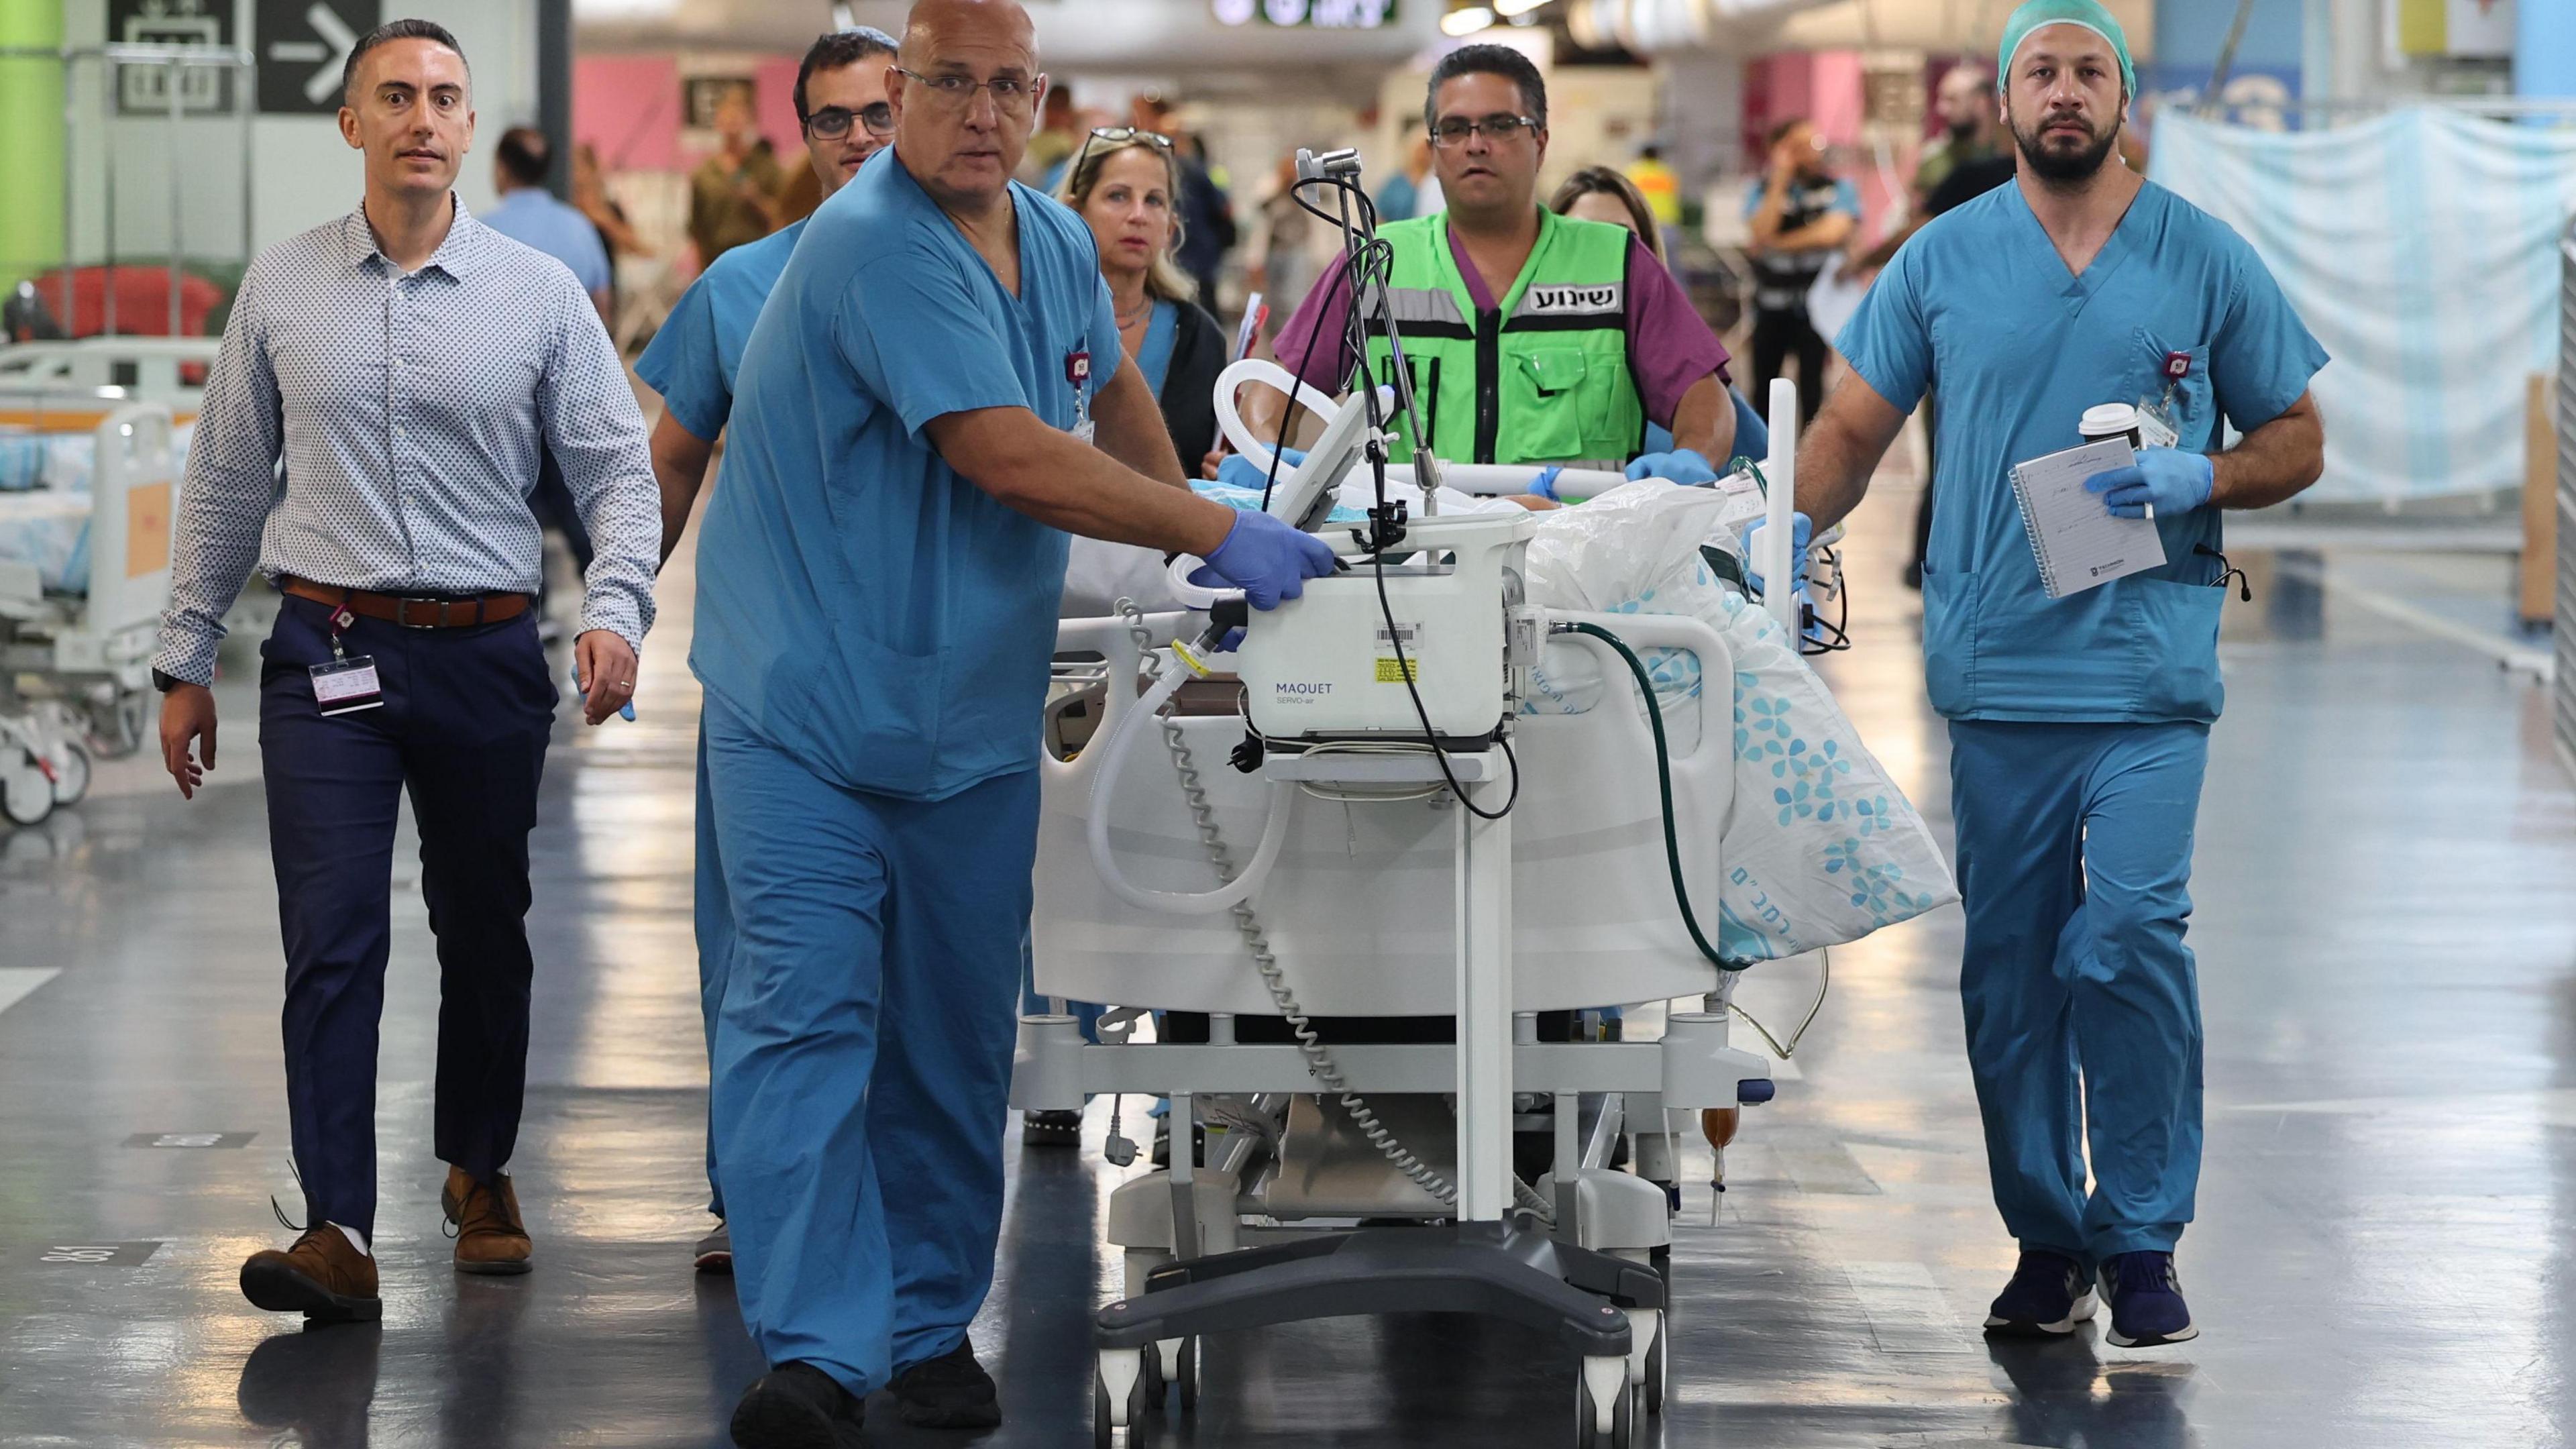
<point x="2078" y="726"/>
<point x="932" y="399"/>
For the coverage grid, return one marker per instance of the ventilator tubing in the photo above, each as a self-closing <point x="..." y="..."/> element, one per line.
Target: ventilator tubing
<point x="1274" y="831"/>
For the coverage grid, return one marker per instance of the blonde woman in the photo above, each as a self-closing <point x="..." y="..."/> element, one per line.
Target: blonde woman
<point x="1126" y="184"/>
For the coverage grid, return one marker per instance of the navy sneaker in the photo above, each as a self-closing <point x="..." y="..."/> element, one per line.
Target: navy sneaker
<point x="2049" y="1294"/>
<point x="797" y="1406"/>
<point x="951" y="1391"/>
<point x="2146" y="1301"/>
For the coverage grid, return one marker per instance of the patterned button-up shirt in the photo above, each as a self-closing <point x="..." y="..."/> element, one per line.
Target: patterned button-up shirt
<point x="409" y="409"/>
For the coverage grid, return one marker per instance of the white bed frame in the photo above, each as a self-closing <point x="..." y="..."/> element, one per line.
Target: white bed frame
<point x="97" y="647"/>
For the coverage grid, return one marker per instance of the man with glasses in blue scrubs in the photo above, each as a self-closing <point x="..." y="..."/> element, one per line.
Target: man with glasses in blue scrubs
<point x="933" y="399"/>
<point x="841" y="105"/>
<point x="2079" y="726"/>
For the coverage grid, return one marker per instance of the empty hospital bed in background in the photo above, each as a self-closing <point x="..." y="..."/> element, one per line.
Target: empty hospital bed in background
<point x="84" y="573"/>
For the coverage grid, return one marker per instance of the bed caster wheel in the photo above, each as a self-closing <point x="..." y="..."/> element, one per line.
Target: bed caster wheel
<point x="1653" y="1385"/>
<point x="71" y="772"/>
<point x="1171" y="1363"/>
<point x="1605" y="1419"/>
<point x="26" y="786"/>
<point x="1116" y="1412"/>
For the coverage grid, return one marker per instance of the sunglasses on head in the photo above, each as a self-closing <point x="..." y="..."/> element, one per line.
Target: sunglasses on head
<point x="1117" y="136"/>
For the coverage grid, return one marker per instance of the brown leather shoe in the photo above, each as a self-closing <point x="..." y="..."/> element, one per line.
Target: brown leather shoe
<point x="324" y="1275"/>
<point x="489" y="1237"/>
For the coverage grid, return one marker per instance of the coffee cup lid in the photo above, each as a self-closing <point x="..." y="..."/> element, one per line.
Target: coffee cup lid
<point x="2108" y="420"/>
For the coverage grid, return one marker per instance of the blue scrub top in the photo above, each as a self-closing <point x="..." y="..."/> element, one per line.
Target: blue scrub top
<point x="1979" y="305"/>
<point x="879" y="618"/>
<point x="696" y="354"/>
<point x="560" y="231"/>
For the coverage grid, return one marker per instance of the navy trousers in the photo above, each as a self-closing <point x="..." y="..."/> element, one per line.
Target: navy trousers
<point x="463" y="728"/>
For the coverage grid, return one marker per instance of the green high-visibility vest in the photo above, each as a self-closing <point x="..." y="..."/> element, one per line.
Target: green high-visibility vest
<point x="1543" y="376"/>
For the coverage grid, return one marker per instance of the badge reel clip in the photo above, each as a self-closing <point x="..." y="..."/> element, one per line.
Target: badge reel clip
<point x="346" y="684"/>
<point x="2159" y="421"/>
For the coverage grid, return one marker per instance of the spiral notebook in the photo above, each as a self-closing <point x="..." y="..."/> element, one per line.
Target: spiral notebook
<point x="2080" y="544"/>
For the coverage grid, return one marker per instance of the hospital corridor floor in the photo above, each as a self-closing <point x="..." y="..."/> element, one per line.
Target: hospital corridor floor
<point x="2385" y="1252"/>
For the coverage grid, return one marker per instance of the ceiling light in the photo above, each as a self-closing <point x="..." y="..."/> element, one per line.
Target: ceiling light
<point x="1513" y="9"/>
<point x="1466" y="22"/>
<point x="616" y="10"/>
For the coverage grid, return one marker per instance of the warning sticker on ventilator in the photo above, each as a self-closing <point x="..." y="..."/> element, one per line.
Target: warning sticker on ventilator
<point x="1399" y="671"/>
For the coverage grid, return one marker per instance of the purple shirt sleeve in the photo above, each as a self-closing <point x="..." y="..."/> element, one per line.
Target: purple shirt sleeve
<point x="1323" y="363"/>
<point x="1669" y="348"/>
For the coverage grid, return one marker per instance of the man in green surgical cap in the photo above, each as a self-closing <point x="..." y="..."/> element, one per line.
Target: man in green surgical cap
<point x="2079" y="724"/>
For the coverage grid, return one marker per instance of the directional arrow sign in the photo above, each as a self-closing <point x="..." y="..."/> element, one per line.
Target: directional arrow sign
<point x="302" y="45"/>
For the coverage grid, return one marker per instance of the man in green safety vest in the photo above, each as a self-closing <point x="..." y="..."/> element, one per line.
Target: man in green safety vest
<point x="1530" y="337"/>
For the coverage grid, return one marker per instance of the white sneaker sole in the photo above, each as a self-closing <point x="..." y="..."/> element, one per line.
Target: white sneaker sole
<point x="2083" y="1311"/>
<point x="2189" y="1332"/>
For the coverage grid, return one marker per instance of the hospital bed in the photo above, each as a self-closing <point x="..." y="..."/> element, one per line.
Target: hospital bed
<point x="84" y="574"/>
<point x="163" y="369"/>
<point x="1514" y="870"/>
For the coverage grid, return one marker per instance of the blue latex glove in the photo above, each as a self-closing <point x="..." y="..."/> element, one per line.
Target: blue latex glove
<point x="1239" y="471"/>
<point x="1268" y="560"/>
<point x="1801" y="529"/>
<point x="1681" y="465"/>
<point x="2168" y="479"/>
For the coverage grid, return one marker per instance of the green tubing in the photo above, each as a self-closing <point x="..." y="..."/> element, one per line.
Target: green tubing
<point x="1664" y="781"/>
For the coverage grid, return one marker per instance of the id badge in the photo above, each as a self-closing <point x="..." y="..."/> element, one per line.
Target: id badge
<point x="1077" y="375"/>
<point x="2156" y="422"/>
<point x="345" y="686"/>
<point x="2157" y="425"/>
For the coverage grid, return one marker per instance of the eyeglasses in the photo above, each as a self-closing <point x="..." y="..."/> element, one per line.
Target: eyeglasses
<point x="956" y="92"/>
<point x="1454" y="130"/>
<point x="833" y="122"/>
<point x="1120" y="135"/>
<point x="1116" y="136"/>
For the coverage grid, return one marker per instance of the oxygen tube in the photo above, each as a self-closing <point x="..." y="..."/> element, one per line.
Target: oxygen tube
<point x="1104" y="788"/>
<point x="1673" y="852"/>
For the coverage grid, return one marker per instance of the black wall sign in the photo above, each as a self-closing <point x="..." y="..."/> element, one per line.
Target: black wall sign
<point x="301" y="46"/>
<point x="144" y="90"/>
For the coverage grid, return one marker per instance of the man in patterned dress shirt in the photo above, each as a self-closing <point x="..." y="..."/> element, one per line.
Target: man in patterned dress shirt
<point x="405" y="363"/>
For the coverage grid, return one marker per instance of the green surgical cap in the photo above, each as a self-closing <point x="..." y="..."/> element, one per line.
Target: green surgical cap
<point x="2087" y="13"/>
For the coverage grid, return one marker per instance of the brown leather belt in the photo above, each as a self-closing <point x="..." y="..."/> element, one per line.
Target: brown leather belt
<point x="411" y="613"/>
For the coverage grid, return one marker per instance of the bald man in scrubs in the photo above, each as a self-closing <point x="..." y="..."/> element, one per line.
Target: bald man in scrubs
<point x="932" y="399"/>
<point x="2079" y="726"/>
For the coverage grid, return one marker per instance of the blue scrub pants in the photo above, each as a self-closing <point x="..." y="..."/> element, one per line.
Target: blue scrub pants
<point x="715" y="944"/>
<point x="2074" y="845"/>
<point x="862" y="1059"/>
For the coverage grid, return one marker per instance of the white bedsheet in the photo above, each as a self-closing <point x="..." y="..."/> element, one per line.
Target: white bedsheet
<point x="51" y="531"/>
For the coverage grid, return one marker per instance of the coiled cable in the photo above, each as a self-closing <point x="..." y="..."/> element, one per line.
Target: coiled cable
<point x="1256" y="943"/>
